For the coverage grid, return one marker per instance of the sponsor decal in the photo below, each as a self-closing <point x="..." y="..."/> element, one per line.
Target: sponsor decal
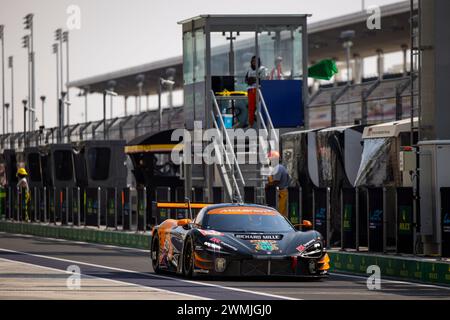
<point x="259" y="236"/>
<point x="210" y="232"/>
<point x="201" y="271"/>
<point x="301" y="248"/>
<point x="261" y="245"/>
<point x="215" y="240"/>
<point x="212" y="246"/>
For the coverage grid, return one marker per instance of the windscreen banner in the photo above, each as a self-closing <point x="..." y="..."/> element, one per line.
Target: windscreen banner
<point x="378" y="164"/>
<point x="331" y="172"/>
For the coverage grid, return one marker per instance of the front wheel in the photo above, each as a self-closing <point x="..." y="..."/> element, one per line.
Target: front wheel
<point x="155" y="255"/>
<point x="188" y="258"/>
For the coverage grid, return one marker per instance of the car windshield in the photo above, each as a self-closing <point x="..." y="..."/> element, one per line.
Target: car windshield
<point x="267" y="222"/>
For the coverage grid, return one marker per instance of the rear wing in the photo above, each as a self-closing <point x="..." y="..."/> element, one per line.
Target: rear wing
<point x="176" y="210"/>
<point x="177" y="205"/>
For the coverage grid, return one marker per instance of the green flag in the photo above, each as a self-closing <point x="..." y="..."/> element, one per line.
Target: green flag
<point x="324" y="70"/>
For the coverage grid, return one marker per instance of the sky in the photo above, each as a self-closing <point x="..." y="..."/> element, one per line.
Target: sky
<point x="116" y="34"/>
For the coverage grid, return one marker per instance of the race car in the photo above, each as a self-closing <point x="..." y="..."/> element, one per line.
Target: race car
<point x="238" y="240"/>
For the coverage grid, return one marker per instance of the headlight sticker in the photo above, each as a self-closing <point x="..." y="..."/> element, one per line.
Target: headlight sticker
<point x="222" y="244"/>
<point x="229" y="246"/>
<point x="212" y="246"/>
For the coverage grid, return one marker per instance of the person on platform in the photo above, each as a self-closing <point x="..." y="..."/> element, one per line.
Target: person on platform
<point x="22" y="185"/>
<point x="277" y="71"/>
<point x="257" y="70"/>
<point x="250" y="76"/>
<point x="279" y="177"/>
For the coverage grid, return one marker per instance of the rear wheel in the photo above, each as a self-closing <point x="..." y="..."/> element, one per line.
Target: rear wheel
<point x="155" y="255"/>
<point x="188" y="258"/>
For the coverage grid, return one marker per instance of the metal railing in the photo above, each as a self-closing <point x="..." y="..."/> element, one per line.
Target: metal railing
<point x="221" y="148"/>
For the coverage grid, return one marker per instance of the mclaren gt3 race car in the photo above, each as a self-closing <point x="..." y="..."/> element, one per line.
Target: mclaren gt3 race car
<point x="238" y="240"/>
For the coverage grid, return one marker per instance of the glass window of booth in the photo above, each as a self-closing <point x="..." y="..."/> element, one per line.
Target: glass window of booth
<point x="62" y="160"/>
<point x="34" y="166"/>
<point x="98" y="163"/>
<point x="280" y="51"/>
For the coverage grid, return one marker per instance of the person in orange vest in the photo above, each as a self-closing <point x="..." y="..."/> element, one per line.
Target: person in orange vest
<point x="279" y="177"/>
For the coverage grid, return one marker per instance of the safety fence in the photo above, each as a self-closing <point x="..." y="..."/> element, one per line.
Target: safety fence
<point x="363" y="219"/>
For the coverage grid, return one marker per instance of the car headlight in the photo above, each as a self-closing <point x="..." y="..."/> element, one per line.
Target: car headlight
<point x="313" y="251"/>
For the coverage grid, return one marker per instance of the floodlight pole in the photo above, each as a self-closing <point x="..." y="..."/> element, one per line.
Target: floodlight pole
<point x="2" y="36"/>
<point x="11" y="66"/>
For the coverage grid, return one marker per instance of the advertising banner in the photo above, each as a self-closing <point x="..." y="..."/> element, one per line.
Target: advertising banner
<point x="92" y="207"/>
<point x="111" y="208"/>
<point x="294" y="205"/>
<point x="42" y="202"/>
<point x="320" y="211"/>
<point x="349" y="218"/>
<point x="76" y="206"/>
<point x="445" y="222"/>
<point x="141" y="209"/>
<point x="62" y="208"/>
<point x="405" y="231"/>
<point x="375" y="203"/>
<point x="162" y="195"/>
<point x="126" y="209"/>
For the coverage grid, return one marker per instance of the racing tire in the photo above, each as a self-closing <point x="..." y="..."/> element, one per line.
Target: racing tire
<point x="188" y="258"/>
<point x="155" y="255"/>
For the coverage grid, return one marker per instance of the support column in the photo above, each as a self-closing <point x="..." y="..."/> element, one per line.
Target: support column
<point x="125" y="101"/>
<point x="358" y="68"/>
<point x="405" y="59"/>
<point x="434" y="114"/>
<point x="380" y="64"/>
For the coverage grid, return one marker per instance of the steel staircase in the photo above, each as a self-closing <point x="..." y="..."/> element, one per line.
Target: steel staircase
<point x="236" y="175"/>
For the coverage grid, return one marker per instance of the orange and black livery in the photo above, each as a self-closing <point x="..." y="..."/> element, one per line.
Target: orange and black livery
<point x="237" y="240"/>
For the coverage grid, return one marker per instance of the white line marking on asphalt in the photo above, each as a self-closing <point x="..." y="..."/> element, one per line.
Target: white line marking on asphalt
<point x="154" y="275"/>
<point x="147" y="251"/>
<point x="391" y="281"/>
<point x="111" y="280"/>
<point x="78" y="242"/>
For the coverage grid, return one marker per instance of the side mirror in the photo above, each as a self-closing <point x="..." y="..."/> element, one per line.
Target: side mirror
<point x="305" y="225"/>
<point x="184" y="223"/>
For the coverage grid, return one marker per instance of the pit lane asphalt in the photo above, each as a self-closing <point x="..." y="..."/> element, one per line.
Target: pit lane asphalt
<point x="134" y="266"/>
